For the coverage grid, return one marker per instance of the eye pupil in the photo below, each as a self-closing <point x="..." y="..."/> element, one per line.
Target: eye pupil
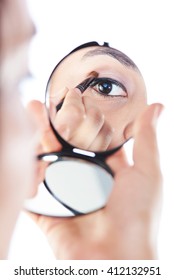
<point x="105" y="87"/>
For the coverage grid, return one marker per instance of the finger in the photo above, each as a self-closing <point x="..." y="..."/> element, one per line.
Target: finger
<point x="145" y="152"/>
<point x="71" y="114"/>
<point x="86" y="133"/>
<point x="92" y="132"/>
<point x="118" y="161"/>
<point x="95" y="130"/>
<point x="102" y="139"/>
<point x="55" y="98"/>
<point x="48" y="141"/>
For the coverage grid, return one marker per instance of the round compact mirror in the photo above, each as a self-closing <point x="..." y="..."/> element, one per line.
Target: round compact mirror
<point x="92" y="96"/>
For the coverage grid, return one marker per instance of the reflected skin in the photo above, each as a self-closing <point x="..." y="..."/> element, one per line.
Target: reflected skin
<point x="107" y="115"/>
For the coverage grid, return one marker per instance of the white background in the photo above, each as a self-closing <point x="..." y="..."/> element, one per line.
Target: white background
<point x="141" y="29"/>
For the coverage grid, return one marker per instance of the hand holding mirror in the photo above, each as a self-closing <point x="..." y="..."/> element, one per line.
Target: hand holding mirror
<point x="89" y="124"/>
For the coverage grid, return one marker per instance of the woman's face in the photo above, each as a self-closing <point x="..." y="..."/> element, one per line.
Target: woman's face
<point x="17" y="166"/>
<point x="118" y="92"/>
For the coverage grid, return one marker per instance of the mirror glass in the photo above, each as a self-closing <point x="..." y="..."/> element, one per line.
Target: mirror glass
<point x="95" y="117"/>
<point x="98" y="118"/>
<point x="78" y="195"/>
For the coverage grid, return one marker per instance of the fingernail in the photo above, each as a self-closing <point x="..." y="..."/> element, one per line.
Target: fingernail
<point x="77" y="90"/>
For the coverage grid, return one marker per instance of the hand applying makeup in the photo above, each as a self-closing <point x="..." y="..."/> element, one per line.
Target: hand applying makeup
<point x="127" y="227"/>
<point x="79" y="121"/>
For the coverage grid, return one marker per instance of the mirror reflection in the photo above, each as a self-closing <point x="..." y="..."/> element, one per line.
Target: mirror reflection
<point x="92" y="96"/>
<point x="98" y="118"/>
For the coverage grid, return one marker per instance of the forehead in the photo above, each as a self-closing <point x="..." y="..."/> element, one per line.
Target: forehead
<point x="88" y="53"/>
<point x="100" y="59"/>
<point x="16" y="25"/>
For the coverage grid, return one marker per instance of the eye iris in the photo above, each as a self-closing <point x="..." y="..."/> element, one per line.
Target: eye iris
<point x="105" y="87"/>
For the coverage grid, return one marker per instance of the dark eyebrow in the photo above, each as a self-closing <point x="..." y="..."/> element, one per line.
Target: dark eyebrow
<point x="118" y="55"/>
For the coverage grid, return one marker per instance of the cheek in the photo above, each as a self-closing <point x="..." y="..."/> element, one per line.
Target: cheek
<point x="119" y="119"/>
<point x="118" y="116"/>
<point x="17" y="151"/>
<point x="123" y="118"/>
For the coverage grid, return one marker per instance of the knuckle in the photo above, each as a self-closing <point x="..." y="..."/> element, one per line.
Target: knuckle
<point x="106" y="135"/>
<point x="75" y="112"/>
<point x="96" y="115"/>
<point x="108" y="130"/>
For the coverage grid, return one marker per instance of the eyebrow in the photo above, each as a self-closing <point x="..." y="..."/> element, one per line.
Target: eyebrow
<point x="118" y="55"/>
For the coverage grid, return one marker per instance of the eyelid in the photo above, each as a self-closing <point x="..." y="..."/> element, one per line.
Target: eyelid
<point x="116" y="82"/>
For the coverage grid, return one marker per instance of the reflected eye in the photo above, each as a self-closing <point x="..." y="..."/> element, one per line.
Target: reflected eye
<point x="109" y="87"/>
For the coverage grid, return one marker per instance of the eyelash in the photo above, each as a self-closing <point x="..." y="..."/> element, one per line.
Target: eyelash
<point x="112" y="81"/>
<point x="87" y="84"/>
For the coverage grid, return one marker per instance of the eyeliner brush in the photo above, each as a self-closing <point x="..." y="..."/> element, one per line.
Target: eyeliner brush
<point x="82" y="87"/>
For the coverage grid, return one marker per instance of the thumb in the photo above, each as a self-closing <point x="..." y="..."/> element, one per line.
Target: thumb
<point x="38" y="111"/>
<point x="145" y="152"/>
<point x="48" y="140"/>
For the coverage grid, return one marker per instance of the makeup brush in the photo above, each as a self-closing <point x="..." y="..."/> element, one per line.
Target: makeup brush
<point x="82" y="86"/>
